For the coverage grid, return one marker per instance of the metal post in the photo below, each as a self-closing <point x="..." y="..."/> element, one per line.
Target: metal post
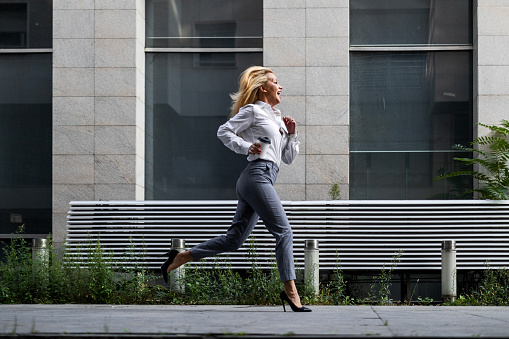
<point x="40" y="257"/>
<point x="40" y="251"/>
<point x="311" y="265"/>
<point x="177" y="275"/>
<point x="449" y="270"/>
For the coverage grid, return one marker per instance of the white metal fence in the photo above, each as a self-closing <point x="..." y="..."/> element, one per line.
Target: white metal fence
<point x="362" y="235"/>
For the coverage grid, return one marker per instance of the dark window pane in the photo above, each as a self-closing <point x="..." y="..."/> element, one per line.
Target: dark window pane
<point x="186" y="103"/>
<point x="410" y="101"/>
<point x="25" y="142"/>
<point x="410" y="22"/>
<point x="405" y="108"/>
<point x="204" y="23"/>
<point x="406" y="175"/>
<point x="26" y="23"/>
<point x="13" y="25"/>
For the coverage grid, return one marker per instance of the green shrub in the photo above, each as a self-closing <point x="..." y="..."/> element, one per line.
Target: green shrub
<point x="91" y="276"/>
<point x="220" y="284"/>
<point x="491" y="155"/>
<point x="493" y="290"/>
<point x="334" y="292"/>
<point x="335" y="192"/>
<point x="380" y="290"/>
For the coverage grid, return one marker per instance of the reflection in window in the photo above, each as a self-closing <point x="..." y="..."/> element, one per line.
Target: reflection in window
<point x="216" y="34"/>
<point x="407" y="110"/>
<point x="386" y="175"/>
<point x="26" y="23"/>
<point x="25" y="142"/>
<point x="13" y="27"/>
<point x="215" y="60"/>
<point x="185" y="106"/>
<point x="188" y="93"/>
<point x="410" y="101"/>
<point x="409" y="107"/>
<point x="410" y="22"/>
<point x="204" y="24"/>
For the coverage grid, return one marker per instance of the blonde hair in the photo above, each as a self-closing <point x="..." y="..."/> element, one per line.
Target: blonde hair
<point x="249" y="83"/>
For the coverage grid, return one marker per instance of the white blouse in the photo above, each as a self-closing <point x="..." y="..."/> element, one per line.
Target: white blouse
<point x="259" y="120"/>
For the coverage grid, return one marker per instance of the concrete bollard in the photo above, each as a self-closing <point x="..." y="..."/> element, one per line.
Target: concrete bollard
<point x="177" y="275"/>
<point x="449" y="270"/>
<point x="311" y="265"/>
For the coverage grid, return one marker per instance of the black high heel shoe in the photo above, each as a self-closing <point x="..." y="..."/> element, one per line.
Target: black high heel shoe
<point x="164" y="267"/>
<point x="284" y="298"/>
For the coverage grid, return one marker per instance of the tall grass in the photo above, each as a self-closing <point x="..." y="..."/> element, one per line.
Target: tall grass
<point x="70" y="278"/>
<point x="92" y="275"/>
<point x="335" y="292"/>
<point x="224" y="285"/>
<point x="95" y="276"/>
<point x="493" y="290"/>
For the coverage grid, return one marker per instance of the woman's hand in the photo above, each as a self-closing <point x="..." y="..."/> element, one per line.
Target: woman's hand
<point x="291" y="125"/>
<point x="255" y="148"/>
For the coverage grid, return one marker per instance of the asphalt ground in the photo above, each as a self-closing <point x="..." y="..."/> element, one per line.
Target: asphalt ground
<point x="211" y="321"/>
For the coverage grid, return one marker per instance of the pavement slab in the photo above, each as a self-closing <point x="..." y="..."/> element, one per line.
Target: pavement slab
<point x="262" y="321"/>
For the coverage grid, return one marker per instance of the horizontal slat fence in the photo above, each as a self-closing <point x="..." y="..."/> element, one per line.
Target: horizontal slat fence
<point x="360" y="235"/>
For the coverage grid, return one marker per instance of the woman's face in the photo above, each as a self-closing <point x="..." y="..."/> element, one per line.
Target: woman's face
<point x="271" y="91"/>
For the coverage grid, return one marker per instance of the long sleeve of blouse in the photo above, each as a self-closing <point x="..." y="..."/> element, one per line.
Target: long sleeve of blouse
<point x="291" y="149"/>
<point x="229" y="132"/>
<point x="253" y="121"/>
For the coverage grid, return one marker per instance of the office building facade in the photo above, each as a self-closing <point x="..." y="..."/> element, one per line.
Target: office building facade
<point x="121" y="99"/>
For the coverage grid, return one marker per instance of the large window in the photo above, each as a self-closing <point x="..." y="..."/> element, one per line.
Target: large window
<point x="411" y="96"/>
<point x="25" y="116"/>
<point x="26" y="23"/>
<point x="196" y="50"/>
<point x="410" y="22"/>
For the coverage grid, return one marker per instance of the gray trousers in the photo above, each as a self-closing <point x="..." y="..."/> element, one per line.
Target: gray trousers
<point x="257" y="199"/>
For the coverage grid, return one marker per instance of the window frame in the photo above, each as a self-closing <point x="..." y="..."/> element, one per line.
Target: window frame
<point x="404" y="48"/>
<point x="198" y="63"/>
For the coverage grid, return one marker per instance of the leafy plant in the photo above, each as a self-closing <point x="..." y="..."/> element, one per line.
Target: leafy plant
<point x="385" y="279"/>
<point x="92" y="276"/>
<point x="459" y="186"/>
<point x="335" y="192"/>
<point x="493" y="290"/>
<point x="335" y="292"/>
<point x="220" y="284"/>
<point x="492" y="157"/>
<point x="425" y="301"/>
<point x="262" y="286"/>
<point x="384" y="283"/>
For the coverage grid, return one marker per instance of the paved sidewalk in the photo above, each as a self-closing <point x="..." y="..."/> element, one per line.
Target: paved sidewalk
<point x="253" y="321"/>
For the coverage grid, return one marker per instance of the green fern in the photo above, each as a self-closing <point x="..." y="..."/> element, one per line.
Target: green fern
<point x="493" y="163"/>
